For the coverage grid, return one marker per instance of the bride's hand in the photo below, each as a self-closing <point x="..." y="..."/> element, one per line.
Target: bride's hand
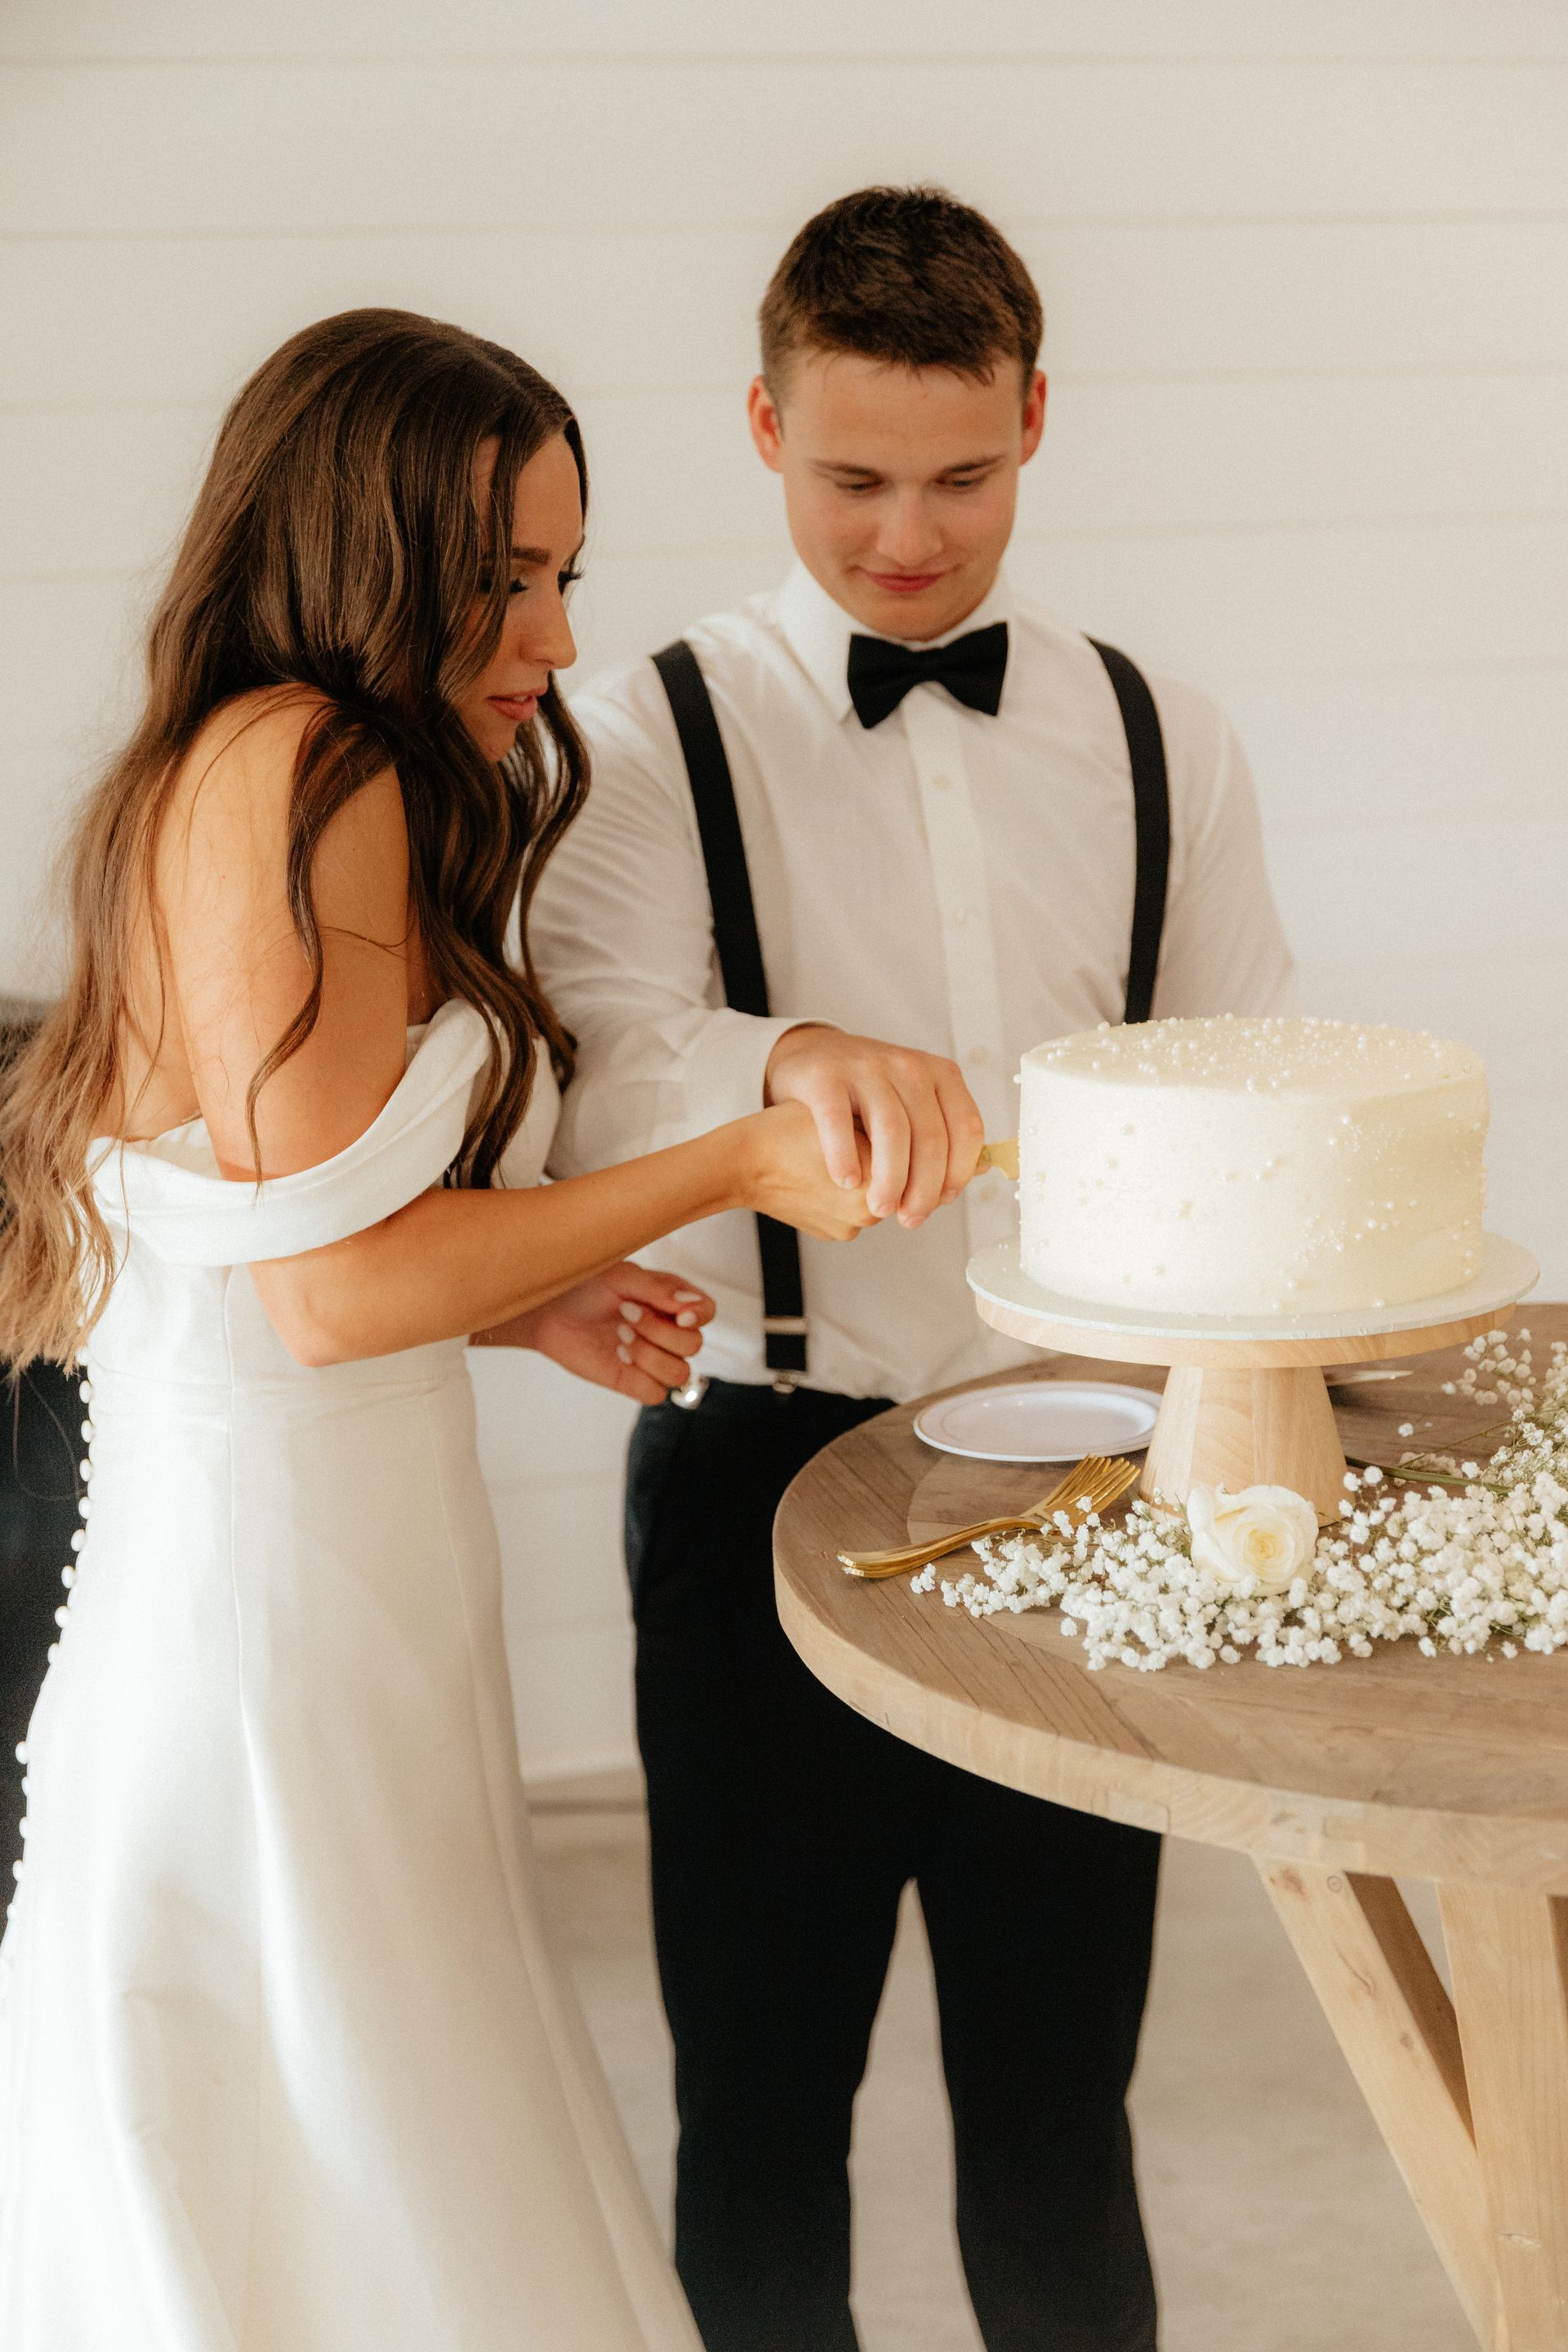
<point x="629" y="1329"/>
<point x="785" y="1175"/>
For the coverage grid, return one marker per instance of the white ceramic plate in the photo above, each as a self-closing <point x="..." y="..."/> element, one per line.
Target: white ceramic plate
<point x="1040" y="1420"/>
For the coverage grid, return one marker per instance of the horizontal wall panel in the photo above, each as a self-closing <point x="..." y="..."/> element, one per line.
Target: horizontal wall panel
<point x="184" y="320"/>
<point x="1329" y="751"/>
<point x="105" y="490"/>
<point x="516" y="1394"/>
<point x="1216" y="28"/>
<point x="1208" y="606"/>
<point x="1315" y="297"/>
<point x="1287" y="602"/>
<point x="1429" y="660"/>
<point x="40" y="781"/>
<point x="290" y="146"/>
<point x="572" y="1696"/>
<point x="1179" y="456"/>
<point x="1140" y="457"/>
<point x="562" y="1556"/>
<point x="1511" y="1006"/>
<point x="1404" y="883"/>
<point x="1240" y="604"/>
<point x="1412" y="921"/>
<point x="109" y="490"/>
<point x="70" y="663"/>
<point x="1526" y="1153"/>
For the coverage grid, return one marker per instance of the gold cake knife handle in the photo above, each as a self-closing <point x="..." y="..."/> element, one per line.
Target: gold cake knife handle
<point x="1002" y="1157"/>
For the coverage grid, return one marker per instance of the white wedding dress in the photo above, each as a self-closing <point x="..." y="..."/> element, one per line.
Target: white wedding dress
<point x="284" y="2062"/>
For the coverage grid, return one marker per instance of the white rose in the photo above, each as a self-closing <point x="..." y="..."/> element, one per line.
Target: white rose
<point x="1269" y="1533"/>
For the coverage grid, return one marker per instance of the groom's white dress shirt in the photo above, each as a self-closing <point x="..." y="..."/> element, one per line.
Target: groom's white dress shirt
<point x="946" y="880"/>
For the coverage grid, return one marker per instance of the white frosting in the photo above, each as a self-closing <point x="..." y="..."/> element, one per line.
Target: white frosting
<point x="1243" y="1167"/>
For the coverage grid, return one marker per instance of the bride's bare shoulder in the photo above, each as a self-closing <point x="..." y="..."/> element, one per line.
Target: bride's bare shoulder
<point x="245" y="753"/>
<point x="228" y="809"/>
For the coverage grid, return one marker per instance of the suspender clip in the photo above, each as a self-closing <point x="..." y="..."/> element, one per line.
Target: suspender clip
<point x="786" y="1376"/>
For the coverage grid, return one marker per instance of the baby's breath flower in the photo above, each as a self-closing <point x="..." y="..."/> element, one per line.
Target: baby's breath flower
<point x="1476" y="1561"/>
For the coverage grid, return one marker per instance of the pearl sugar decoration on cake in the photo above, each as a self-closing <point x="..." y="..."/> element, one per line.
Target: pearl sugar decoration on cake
<point x="1251" y="1166"/>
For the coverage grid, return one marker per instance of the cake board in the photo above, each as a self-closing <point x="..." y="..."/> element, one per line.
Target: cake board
<point x="1245" y="1402"/>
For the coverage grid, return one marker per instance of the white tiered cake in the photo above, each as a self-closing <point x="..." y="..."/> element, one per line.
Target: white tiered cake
<point x="1251" y="1166"/>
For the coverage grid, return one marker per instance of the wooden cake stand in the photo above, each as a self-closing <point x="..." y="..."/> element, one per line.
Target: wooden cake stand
<point x="1246" y="1403"/>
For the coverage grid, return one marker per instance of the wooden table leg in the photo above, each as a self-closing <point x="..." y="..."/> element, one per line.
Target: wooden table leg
<point x="1396" y="2024"/>
<point x="1508" y="1951"/>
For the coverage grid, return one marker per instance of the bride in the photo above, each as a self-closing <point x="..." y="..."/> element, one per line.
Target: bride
<point x="283" y="2064"/>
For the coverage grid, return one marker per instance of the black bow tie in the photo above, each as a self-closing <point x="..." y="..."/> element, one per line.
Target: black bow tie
<point x="972" y="668"/>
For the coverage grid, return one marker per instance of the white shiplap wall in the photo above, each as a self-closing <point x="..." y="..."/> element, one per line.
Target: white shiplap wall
<point x="1305" y="272"/>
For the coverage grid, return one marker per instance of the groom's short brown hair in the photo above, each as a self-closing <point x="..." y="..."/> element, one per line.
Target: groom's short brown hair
<point x="907" y="276"/>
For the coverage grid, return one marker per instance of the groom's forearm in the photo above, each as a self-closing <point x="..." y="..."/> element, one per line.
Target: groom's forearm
<point x="643" y="1083"/>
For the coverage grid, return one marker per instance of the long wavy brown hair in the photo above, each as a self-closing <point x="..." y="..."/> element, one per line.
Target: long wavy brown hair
<point x="334" y="544"/>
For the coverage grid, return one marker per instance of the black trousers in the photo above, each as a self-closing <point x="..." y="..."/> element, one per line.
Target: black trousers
<point x="784" y="1828"/>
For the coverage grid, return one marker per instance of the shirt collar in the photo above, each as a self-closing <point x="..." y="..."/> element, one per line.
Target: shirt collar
<point x="818" y="631"/>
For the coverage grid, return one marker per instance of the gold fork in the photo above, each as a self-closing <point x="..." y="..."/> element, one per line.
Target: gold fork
<point x="1092" y="1485"/>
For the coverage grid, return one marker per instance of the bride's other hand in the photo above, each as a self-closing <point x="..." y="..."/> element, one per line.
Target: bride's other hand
<point x="628" y="1329"/>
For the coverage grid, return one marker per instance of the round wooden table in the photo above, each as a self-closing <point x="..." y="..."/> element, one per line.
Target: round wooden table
<point x="1336" y="1781"/>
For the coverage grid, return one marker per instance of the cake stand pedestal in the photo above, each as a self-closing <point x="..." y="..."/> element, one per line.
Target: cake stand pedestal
<point x="1245" y="1402"/>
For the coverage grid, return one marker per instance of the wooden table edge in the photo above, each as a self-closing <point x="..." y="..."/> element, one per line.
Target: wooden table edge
<point x="1178" y="1801"/>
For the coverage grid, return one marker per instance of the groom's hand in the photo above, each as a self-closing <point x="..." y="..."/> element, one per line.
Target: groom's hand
<point x="913" y="1109"/>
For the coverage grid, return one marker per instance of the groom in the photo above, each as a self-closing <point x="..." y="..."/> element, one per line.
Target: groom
<point x="891" y="799"/>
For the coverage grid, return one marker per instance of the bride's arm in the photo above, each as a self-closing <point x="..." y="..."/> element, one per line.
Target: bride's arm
<point x="449" y="1263"/>
<point x="455" y="1263"/>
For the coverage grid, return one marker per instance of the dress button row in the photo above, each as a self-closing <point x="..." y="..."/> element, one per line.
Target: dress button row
<point x="21" y="1752"/>
<point x="67" y="1578"/>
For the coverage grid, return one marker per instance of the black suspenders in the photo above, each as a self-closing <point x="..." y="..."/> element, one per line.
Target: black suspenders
<point x="739" y="951"/>
<point x="740" y="967"/>
<point x="1151" y="812"/>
